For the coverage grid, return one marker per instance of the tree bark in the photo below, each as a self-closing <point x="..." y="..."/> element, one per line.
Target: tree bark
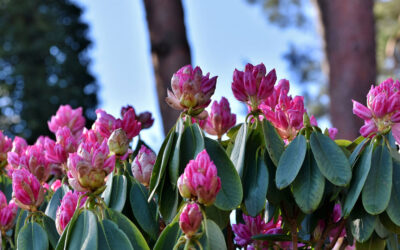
<point x="349" y="34"/>
<point x="169" y="49"/>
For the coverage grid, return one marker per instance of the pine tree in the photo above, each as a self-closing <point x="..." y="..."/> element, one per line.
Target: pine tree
<point x="43" y="64"/>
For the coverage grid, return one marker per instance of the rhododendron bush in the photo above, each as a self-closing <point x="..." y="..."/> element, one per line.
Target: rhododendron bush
<point x="274" y="181"/>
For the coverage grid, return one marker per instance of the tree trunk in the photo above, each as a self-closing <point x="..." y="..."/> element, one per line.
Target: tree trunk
<point x="349" y="34"/>
<point x="169" y="48"/>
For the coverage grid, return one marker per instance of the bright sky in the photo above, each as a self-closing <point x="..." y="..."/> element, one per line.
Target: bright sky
<point x="223" y="35"/>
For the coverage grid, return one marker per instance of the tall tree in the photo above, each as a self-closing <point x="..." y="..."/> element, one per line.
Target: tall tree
<point x="169" y="48"/>
<point x="43" y="62"/>
<point x="349" y="34"/>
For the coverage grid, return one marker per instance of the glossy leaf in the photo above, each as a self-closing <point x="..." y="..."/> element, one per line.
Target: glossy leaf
<point x="111" y="237"/>
<point x="273" y="142"/>
<point x="51" y="230"/>
<point x="84" y="233"/>
<point x="55" y="201"/>
<point x="134" y="235"/>
<point x="231" y="193"/>
<point x="331" y="160"/>
<point x="169" y="202"/>
<point x="291" y="162"/>
<point x="174" y="161"/>
<point x="145" y="212"/>
<point x="168" y="237"/>
<point x="220" y="217"/>
<point x="378" y="186"/>
<point x="360" y="171"/>
<point x="32" y="237"/>
<point x="362" y="228"/>
<point x="239" y="148"/>
<point x="356" y="153"/>
<point x="118" y="193"/>
<point x="308" y="187"/>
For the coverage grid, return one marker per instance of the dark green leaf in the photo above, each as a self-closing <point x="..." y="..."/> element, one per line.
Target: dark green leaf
<point x="169" y="202"/>
<point x="378" y="186"/>
<point x="361" y="171"/>
<point x="218" y="216"/>
<point x="308" y="187"/>
<point x="111" y="237"/>
<point x="83" y="234"/>
<point x="388" y="223"/>
<point x="272" y="237"/>
<point x="174" y="161"/>
<point x="215" y="238"/>
<point x="239" y="148"/>
<point x="161" y="162"/>
<point x="356" y="153"/>
<point x="393" y="209"/>
<point x="331" y="159"/>
<point x="168" y="237"/>
<point x="55" y="201"/>
<point x="32" y="237"/>
<point x="374" y="243"/>
<point x="290" y="162"/>
<point x="51" y="230"/>
<point x="6" y="186"/>
<point x="273" y="142"/>
<point x="136" y="238"/>
<point x="145" y="212"/>
<point x="21" y="216"/>
<point x="380" y="229"/>
<point x="231" y="193"/>
<point x="118" y="192"/>
<point x="363" y="227"/>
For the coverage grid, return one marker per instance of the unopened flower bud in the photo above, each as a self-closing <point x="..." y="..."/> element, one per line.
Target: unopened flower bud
<point x="28" y="193"/>
<point x="67" y="209"/>
<point x="190" y="219"/>
<point x="118" y="143"/>
<point x="142" y="165"/>
<point x="8" y="213"/>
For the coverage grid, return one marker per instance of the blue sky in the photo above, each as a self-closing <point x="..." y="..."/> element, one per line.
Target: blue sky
<point x="223" y="35"/>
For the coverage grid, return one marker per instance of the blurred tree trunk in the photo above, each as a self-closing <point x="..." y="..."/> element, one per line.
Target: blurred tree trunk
<point x="169" y="48"/>
<point x="349" y="33"/>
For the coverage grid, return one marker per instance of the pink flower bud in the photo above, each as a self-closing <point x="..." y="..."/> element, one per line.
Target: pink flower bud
<point x="191" y="90"/>
<point x="8" y="213"/>
<point x="200" y="179"/>
<point x="5" y="147"/>
<point x="368" y="128"/>
<point x="146" y="120"/>
<point x="67" y="209"/>
<point x="253" y="86"/>
<point x="88" y="167"/>
<point x="332" y="133"/>
<point x="66" y="116"/>
<point x="220" y="120"/>
<point x="190" y="219"/>
<point x="19" y="145"/>
<point x="142" y="165"/>
<point x="28" y="193"/>
<point x="118" y="143"/>
<point x="56" y="185"/>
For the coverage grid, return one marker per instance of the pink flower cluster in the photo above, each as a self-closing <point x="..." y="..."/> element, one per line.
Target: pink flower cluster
<point x="88" y="167"/>
<point x="255" y="226"/>
<point x="191" y="91"/>
<point x="5" y="147"/>
<point x="68" y="117"/>
<point x="190" y="219"/>
<point x="382" y="112"/>
<point x="142" y="165"/>
<point x="67" y="209"/>
<point x="283" y="111"/>
<point x="220" y="119"/>
<point x="200" y="180"/>
<point x="253" y="85"/>
<point x="8" y="212"/>
<point x="145" y="118"/>
<point x="28" y="193"/>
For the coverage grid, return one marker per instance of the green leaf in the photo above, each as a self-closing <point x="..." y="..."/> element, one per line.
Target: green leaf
<point x="388" y="223"/>
<point x="21" y="216"/>
<point x="161" y="162"/>
<point x="360" y="176"/>
<point x="111" y="237"/>
<point x="356" y="153"/>
<point x="168" y="202"/>
<point x="290" y="162"/>
<point x="275" y="145"/>
<point x="55" y="201"/>
<point x="363" y="227"/>
<point x="174" y="161"/>
<point x="145" y="212"/>
<point x="255" y="177"/>
<point x="218" y="216"/>
<point x="51" y="230"/>
<point x="106" y="195"/>
<point x="393" y="210"/>
<point x="381" y="230"/>
<point x="331" y="159"/>
<point x="134" y="235"/>
<point x="239" y="148"/>
<point x="231" y="193"/>
<point x="392" y="243"/>
<point x="84" y="233"/>
<point x="168" y="237"/>
<point x="6" y="186"/>
<point x="378" y="186"/>
<point x="215" y="237"/>
<point x="374" y="243"/>
<point x="308" y="187"/>
<point x="118" y="192"/>
<point x="32" y="237"/>
<point x="343" y="143"/>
